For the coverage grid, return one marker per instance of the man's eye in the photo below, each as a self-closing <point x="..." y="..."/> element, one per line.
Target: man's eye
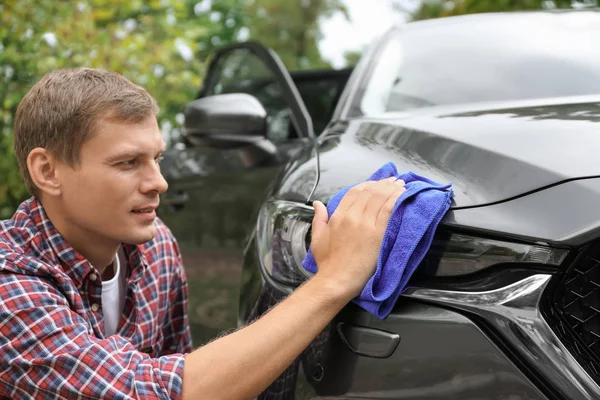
<point x="129" y="162"/>
<point x="159" y="159"/>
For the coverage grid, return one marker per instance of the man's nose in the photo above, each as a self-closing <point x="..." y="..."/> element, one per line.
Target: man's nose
<point x="154" y="181"/>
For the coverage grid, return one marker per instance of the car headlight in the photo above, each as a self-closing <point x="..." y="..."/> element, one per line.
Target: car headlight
<point x="283" y="239"/>
<point x="455" y="254"/>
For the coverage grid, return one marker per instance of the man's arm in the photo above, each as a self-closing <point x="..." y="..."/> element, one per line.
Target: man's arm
<point x="48" y="352"/>
<point x="346" y="247"/>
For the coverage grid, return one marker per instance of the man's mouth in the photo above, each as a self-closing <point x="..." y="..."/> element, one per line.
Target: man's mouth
<point x="144" y="210"/>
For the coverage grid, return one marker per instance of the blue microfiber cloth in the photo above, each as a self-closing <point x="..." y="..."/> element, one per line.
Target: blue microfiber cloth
<point x="407" y="238"/>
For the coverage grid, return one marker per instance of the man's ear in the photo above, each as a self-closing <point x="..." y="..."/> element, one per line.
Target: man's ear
<point x="41" y="165"/>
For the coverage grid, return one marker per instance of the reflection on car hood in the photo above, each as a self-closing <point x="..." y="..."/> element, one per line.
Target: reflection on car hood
<point x="489" y="153"/>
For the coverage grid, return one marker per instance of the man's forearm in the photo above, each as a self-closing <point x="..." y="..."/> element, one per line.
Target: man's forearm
<point x="257" y="354"/>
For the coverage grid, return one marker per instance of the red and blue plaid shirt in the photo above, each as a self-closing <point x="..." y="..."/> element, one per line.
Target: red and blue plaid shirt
<point x="52" y="342"/>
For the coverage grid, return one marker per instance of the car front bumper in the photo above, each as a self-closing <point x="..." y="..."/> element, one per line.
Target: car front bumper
<point x="436" y="344"/>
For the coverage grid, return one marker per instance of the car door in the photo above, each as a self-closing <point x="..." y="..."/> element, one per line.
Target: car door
<point x="213" y="193"/>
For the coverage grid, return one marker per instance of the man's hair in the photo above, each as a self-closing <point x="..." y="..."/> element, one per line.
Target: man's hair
<point x="62" y="111"/>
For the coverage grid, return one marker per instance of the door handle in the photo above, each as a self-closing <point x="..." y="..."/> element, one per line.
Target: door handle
<point x="368" y="342"/>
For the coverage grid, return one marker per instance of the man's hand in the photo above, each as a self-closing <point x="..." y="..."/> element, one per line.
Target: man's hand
<point x="346" y="246"/>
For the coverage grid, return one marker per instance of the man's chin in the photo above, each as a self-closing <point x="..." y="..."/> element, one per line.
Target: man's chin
<point x="140" y="237"/>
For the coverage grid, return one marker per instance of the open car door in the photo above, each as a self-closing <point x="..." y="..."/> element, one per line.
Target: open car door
<point x="248" y="120"/>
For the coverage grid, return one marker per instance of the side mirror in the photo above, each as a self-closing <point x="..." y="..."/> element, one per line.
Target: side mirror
<point x="226" y="121"/>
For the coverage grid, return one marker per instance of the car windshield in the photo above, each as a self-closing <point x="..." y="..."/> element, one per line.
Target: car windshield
<point x="495" y="57"/>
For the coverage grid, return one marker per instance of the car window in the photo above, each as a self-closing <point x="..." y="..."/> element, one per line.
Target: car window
<point x="437" y="63"/>
<point x="320" y="95"/>
<point x="241" y="71"/>
<point x="320" y="92"/>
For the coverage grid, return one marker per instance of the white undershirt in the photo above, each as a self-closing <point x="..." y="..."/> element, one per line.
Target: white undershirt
<point x="113" y="294"/>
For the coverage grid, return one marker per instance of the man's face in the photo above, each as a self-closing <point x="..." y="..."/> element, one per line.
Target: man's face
<point x="113" y="194"/>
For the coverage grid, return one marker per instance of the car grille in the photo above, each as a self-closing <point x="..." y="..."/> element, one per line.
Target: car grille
<point x="571" y="306"/>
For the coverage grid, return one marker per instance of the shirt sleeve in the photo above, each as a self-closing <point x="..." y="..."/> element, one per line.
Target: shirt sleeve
<point x="178" y="337"/>
<point x="48" y="351"/>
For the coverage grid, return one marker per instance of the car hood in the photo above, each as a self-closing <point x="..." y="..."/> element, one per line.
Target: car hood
<point x="490" y="153"/>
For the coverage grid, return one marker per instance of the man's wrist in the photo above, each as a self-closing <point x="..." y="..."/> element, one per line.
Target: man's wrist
<point x="331" y="289"/>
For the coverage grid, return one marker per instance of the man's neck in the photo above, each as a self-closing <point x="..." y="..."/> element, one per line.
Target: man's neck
<point x="109" y="272"/>
<point x="99" y="251"/>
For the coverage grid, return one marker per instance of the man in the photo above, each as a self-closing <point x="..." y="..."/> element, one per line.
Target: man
<point x="93" y="293"/>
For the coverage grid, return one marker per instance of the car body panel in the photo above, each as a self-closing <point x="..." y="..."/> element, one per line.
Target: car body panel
<point x="573" y="206"/>
<point x="489" y="156"/>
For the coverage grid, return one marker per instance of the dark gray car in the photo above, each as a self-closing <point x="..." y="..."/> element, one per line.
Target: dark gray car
<point x="506" y="107"/>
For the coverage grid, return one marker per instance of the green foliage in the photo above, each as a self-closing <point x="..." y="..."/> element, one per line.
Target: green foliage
<point x="352" y="57"/>
<point x="12" y="190"/>
<point x="447" y="8"/>
<point x="291" y="28"/>
<point x="159" y="44"/>
<point x="141" y="40"/>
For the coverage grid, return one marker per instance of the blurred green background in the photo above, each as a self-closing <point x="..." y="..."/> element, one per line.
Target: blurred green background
<point x="165" y="46"/>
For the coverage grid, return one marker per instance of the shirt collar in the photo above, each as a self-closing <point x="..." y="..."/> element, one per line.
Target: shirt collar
<point x="76" y="266"/>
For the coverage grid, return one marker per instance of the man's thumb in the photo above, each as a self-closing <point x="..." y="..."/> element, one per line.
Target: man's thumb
<point x="320" y="219"/>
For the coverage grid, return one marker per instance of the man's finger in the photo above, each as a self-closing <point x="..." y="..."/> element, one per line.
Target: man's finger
<point x="385" y="212"/>
<point x="363" y="198"/>
<point x="381" y="193"/>
<point x="350" y="197"/>
<point x="385" y="189"/>
<point x="320" y="219"/>
<point x="375" y="203"/>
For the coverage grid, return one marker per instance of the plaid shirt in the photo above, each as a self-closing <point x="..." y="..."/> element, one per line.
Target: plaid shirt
<point x="52" y="343"/>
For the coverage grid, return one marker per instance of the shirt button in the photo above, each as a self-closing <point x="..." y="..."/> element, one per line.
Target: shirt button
<point x="93" y="277"/>
<point x="95" y="307"/>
